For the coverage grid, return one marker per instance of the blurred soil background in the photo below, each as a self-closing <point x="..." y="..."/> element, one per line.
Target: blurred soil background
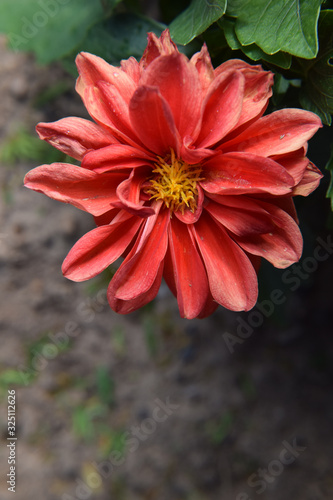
<point x="91" y="385"/>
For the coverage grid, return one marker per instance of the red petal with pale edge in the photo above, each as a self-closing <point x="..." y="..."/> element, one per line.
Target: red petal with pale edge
<point x="116" y="156"/>
<point x="221" y="109"/>
<point x="234" y="65"/>
<point x="238" y="173"/>
<point x="82" y="188"/>
<point x="309" y="182"/>
<point x="74" y="136"/>
<point x="232" y="278"/>
<point x="93" y="69"/>
<point x="203" y="64"/>
<point x="189" y="273"/>
<point x="99" y="248"/>
<point x="282" y="246"/>
<point x="153" y="122"/>
<point x="280" y="132"/>
<point x="138" y="272"/>
<point x="179" y="84"/>
<point x="257" y="91"/>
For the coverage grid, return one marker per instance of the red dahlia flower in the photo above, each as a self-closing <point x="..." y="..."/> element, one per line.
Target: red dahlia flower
<point x="184" y="175"/>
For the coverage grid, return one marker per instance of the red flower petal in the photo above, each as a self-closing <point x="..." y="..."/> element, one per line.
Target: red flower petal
<point x="257" y="87"/>
<point x="93" y="69"/>
<point x="238" y="173"/>
<point x="139" y="270"/>
<point x="84" y="189"/>
<point x="129" y="195"/>
<point x="189" y="217"/>
<point x="74" y="136"/>
<point x="182" y="91"/>
<point x="286" y="204"/>
<point x="282" y="246"/>
<point x="118" y="111"/>
<point x="192" y="155"/>
<point x="295" y="163"/>
<point x="232" y="279"/>
<point x="208" y="308"/>
<point x="127" y="306"/>
<point x="189" y="273"/>
<point x="152" y="119"/>
<point x="115" y="119"/>
<point x="156" y="47"/>
<point x="240" y="215"/>
<point x="107" y="217"/>
<point x="221" y="109"/>
<point x="280" y="132"/>
<point x="132" y="68"/>
<point x="116" y="156"/>
<point x="99" y="248"/>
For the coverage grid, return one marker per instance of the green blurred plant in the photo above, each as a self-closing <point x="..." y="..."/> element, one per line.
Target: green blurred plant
<point x="23" y="146"/>
<point x="90" y="420"/>
<point x="218" y="430"/>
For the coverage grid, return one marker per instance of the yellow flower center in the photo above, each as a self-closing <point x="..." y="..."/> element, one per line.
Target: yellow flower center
<point x="175" y="183"/>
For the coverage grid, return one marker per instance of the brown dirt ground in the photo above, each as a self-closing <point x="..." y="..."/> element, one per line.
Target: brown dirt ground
<point x="232" y="413"/>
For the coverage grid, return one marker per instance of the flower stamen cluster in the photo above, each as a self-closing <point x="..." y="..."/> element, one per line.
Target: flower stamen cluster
<point x="175" y="183"/>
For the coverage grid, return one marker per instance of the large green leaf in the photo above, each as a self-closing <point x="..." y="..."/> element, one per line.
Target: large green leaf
<point x="50" y="28"/>
<point x="252" y="51"/>
<point x="196" y="19"/>
<point x="284" y="25"/>
<point x="317" y="91"/>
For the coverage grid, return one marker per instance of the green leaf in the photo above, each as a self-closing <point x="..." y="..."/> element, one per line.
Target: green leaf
<point x="196" y="19"/>
<point x="281" y="59"/>
<point x="285" y="25"/>
<point x="317" y="91"/>
<point x="50" y="28"/>
<point x="329" y="167"/>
